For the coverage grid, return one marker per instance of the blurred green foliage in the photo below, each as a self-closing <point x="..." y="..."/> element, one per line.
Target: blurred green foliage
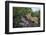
<point x="20" y="11"/>
<point x="35" y="14"/>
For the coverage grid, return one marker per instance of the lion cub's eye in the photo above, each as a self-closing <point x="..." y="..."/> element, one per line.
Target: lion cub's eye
<point x="32" y="21"/>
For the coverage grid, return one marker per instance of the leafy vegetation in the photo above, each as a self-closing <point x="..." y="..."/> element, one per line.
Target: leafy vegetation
<point x="36" y="14"/>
